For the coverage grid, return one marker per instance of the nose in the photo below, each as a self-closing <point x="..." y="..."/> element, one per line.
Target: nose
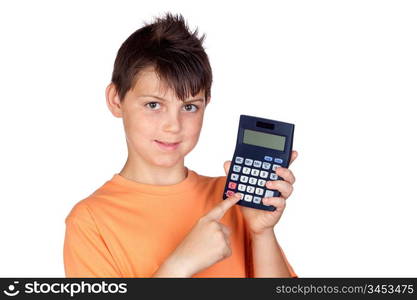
<point x="172" y="122"/>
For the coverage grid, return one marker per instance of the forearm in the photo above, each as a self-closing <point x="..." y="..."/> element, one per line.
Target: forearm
<point x="268" y="260"/>
<point x="170" y="268"/>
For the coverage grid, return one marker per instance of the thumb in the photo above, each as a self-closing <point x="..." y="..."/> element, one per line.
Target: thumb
<point x="226" y="166"/>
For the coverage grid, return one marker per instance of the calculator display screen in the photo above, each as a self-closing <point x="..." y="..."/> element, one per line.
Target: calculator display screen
<point x="267" y="140"/>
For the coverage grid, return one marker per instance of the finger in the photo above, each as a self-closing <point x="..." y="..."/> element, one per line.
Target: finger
<point x="220" y="209"/>
<point x="226" y="233"/>
<point x="226" y="230"/>
<point x="285" y="174"/>
<point x="228" y="243"/>
<point x="281" y="186"/>
<point x="226" y="166"/>
<point x="294" y="155"/>
<point x="278" y="202"/>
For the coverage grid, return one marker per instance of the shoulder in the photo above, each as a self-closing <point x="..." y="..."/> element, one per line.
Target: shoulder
<point x="80" y="212"/>
<point x="83" y="210"/>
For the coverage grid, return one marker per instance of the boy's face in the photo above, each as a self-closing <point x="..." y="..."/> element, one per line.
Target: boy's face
<point x="149" y="120"/>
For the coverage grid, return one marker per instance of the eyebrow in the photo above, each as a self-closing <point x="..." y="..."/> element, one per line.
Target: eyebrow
<point x="162" y="99"/>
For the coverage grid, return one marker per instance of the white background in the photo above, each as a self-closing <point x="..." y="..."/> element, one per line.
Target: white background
<point x="344" y="72"/>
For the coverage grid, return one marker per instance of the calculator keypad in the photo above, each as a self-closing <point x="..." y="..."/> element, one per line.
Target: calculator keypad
<point x="249" y="178"/>
<point x="236" y="168"/>
<point x="264" y="174"/>
<point x="257" y="163"/>
<point x="239" y="160"/>
<point x="246" y="170"/>
<point x="266" y="165"/>
<point x="248" y="162"/>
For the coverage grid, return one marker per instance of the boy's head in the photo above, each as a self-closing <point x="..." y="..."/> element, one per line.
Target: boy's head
<point x="158" y="72"/>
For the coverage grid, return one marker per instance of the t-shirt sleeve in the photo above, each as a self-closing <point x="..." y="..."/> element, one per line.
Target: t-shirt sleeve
<point x="85" y="252"/>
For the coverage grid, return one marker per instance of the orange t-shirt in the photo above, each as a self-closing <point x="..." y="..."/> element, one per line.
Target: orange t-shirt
<point x="128" y="229"/>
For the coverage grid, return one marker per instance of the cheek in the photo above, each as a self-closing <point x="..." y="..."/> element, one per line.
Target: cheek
<point x="138" y="127"/>
<point x="192" y="129"/>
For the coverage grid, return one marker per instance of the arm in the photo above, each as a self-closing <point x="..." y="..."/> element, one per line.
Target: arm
<point x="87" y="255"/>
<point x="207" y="243"/>
<point x="268" y="258"/>
<point x="85" y="252"/>
<point x="170" y="269"/>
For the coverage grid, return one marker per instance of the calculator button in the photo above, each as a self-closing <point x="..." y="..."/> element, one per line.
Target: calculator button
<point x="243" y="178"/>
<point x="278" y="160"/>
<point x="261" y="182"/>
<point x="269" y="193"/>
<point x="268" y="158"/>
<point x="232" y="185"/>
<point x="241" y="187"/>
<point x="274" y="167"/>
<point x="257" y="199"/>
<point x="266" y="165"/>
<point x="264" y="174"/>
<point x="229" y="193"/>
<point x="257" y="163"/>
<point x="246" y="170"/>
<point x="234" y="177"/>
<point x="273" y="176"/>
<point x="241" y="196"/>
<point x="238" y="160"/>
<point x="236" y="168"/>
<point x="254" y="172"/>
<point x="259" y="191"/>
<point x="250" y="189"/>
<point x="252" y="180"/>
<point x="248" y="162"/>
<point x="248" y="198"/>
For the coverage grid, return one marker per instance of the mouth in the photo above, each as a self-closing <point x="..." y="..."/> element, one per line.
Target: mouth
<point x="166" y="145"/>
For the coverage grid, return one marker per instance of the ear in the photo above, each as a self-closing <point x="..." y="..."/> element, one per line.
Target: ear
<point x="113" y="101"/>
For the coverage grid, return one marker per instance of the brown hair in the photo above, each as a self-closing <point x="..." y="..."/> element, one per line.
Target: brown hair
<point x="176" y="54"/>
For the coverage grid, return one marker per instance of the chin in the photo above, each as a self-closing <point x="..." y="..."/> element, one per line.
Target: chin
<point x="167" y="162"/>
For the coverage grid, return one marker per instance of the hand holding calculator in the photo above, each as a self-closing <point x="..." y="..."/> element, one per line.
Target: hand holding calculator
<point x="262" y="146"/>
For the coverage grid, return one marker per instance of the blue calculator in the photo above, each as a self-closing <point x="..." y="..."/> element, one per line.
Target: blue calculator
<point x="262" y="146"/>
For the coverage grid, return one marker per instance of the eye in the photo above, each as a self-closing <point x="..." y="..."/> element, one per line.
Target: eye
<point x="188" y="105"/>
<point x="151" y="105"/>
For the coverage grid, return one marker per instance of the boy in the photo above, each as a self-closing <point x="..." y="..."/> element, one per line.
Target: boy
<point x="157" y="218"/>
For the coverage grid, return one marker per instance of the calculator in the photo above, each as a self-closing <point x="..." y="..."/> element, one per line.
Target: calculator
<point x="262" y="146"/>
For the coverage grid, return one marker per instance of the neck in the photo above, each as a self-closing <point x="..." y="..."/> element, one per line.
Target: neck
<point x="142" y="172"/>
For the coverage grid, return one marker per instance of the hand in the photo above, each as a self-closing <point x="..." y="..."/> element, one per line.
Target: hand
<point x="258" y="220"/>
<point x="206" y="244"/>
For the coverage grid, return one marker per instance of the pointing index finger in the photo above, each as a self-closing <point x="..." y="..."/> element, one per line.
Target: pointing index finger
<point x="220" y="209"/>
